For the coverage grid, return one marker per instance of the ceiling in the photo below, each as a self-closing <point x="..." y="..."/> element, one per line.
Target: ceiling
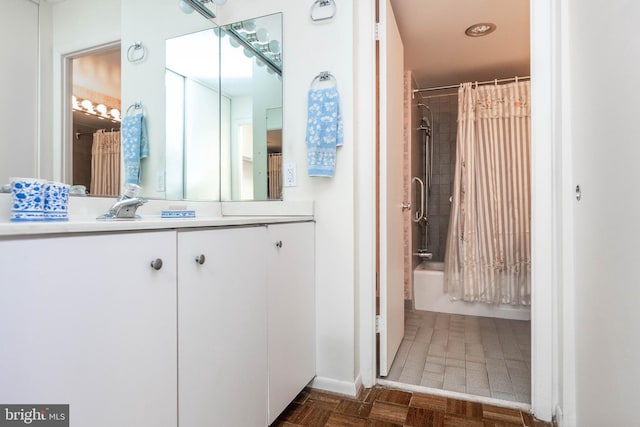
<point x="439" y="53"/>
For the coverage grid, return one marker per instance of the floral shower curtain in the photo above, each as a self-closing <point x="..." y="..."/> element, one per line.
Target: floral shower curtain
<point x="105" y="163"/>
<point x="488" y="253"/>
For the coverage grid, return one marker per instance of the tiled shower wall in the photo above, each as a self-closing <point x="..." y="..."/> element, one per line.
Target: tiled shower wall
<point x="445" y="113"/>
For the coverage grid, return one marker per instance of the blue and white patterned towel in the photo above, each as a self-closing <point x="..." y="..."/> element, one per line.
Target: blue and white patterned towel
<point x="135" y="146"/>
<point x="324" y="131"/>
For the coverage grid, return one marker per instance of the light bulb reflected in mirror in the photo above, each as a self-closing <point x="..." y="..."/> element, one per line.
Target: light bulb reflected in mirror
<point x="262" y="35"/>
<point x="185" y="7"/>
<point x="87" y="105"/>
<point x="249" y="25"/>
<point x="102" y="109"/>
<point x="274" y="46"/>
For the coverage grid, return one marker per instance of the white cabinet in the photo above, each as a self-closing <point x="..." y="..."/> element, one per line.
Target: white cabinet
<point x="222" y="334"/>
<point x="291" y="302"/>
<point x="222" y="328"/>
<point x="86" y="321"/>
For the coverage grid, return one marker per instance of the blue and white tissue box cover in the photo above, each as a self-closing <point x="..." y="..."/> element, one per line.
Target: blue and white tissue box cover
<point x="28" y="196"/>
<point x="56" y="201"/>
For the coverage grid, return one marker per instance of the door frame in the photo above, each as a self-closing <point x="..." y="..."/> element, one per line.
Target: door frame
<point x="66" y="112"/>
<point x="552" y="330"/>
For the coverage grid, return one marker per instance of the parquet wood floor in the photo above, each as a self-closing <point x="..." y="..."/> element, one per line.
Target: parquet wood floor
<point x="385" y="407"/>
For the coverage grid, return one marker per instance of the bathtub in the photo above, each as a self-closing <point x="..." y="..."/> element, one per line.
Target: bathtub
<point x="428" y="293"/>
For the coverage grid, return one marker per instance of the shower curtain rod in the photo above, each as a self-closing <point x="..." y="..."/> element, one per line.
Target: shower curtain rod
<point x="487" y="82"/>
<point x="79" y="134"/>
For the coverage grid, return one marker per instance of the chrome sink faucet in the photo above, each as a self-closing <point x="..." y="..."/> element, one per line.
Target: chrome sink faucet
<point x="126" y="205"/>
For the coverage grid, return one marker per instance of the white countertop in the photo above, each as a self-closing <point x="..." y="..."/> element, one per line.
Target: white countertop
<point x="92" y="225"/>
<point x="83" y="212"/>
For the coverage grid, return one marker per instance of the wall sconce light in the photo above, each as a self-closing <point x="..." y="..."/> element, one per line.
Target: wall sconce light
<point x="256" y="42"/>
<point x="244" y="26"/>
<point x="102" y="111"/>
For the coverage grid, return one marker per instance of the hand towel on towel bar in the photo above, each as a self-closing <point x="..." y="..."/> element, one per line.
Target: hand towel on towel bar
<point x="135" y="146"/>
<point x="324" y="131"/>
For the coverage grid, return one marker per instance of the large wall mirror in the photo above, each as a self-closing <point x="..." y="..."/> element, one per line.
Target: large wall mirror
<point x="211" y="96"/>
<point x="224" y="112"/>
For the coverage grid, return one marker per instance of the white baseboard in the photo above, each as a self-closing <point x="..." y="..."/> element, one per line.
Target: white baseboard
<point x="336" y="386"/>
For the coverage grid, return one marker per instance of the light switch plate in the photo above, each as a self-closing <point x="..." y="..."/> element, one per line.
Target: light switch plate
<point x="290" y="175"/>
<point x="160" y="182"/>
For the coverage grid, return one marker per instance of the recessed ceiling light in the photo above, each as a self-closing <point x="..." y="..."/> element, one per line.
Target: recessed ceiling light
<point x="481" y="29"/>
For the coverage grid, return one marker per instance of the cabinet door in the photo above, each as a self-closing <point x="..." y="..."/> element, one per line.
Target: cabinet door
<point x="292" y="362"/>
<point x="222" y="328"/>
<point x="86" y="321"/>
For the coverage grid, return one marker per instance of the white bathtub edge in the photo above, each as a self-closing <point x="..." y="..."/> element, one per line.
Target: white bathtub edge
<point x="428" y="295"/>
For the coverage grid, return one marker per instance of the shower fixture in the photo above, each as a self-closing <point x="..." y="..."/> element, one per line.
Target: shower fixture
<point x="423" y="183"/>
<point x="424" y="118"/>
<point x="426" y="107"/>
<point x="424" y="123"/>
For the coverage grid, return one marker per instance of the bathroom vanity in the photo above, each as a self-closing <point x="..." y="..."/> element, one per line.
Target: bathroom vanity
<point x="159" y="323"/>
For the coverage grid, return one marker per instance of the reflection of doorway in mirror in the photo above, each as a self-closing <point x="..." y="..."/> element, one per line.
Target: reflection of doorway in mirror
<point x="245" y="142"/>
<point x="94" y="77"/>
<point x="274" y="165"/>
<point x="274" y="150"/>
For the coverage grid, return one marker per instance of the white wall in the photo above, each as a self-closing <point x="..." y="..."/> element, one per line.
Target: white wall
<point x="603" y="78"/>
<point x="308" y="49"/>
<point x="18" y="89"/>
<point x="75" y="25"/>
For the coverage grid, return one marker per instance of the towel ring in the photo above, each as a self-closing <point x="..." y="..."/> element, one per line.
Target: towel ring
<point x="324" y="76"/>
<point x="317" y="7"/>
<point x="135" y="106"/>
<point x="132" y="54"/>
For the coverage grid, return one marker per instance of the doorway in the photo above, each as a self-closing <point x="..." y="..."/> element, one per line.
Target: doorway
<point x="93" y="113"/>
<point x="548" y="348"/>
<point x="449" y="326"/>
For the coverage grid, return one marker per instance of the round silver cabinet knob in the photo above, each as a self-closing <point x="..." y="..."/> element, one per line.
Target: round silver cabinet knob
<point x="156" y="264"/>
<point x="200" y="259"/>
<point x="279" y="244"/>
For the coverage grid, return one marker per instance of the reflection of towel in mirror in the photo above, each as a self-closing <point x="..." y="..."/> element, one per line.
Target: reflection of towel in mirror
<point x="324" y="131"/>
<point x="135" y="146"/>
